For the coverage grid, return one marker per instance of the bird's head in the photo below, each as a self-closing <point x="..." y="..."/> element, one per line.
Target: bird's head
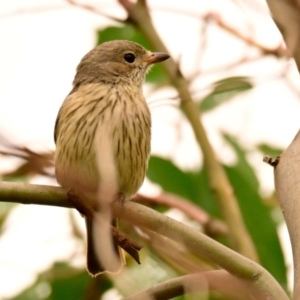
<point x="116" y="60"/>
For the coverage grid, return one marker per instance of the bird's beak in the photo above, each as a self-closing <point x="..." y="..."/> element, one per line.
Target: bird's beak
<point x="155" y="57"/>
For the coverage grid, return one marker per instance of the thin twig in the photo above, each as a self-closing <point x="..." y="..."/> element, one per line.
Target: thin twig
<point x="33" y="10"/>
<point x="94" y="10"/>
<point x="280" y="51"/>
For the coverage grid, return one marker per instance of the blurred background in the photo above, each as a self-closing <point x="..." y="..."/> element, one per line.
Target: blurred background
<point x="244" y="84"/>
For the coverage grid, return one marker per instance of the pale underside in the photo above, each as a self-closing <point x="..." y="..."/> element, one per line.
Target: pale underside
<point x="118" y="111"/>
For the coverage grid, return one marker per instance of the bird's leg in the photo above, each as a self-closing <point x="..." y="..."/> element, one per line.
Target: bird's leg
<point x="123" y="241"/>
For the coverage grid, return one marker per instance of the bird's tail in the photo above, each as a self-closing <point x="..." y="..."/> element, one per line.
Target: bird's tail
<point x="94" y="265"/>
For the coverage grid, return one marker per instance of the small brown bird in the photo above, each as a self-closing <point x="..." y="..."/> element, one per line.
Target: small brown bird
<point x="102" y="133"/>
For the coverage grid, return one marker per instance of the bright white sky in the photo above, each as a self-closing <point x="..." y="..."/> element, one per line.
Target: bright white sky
<point x="39" y="53"/>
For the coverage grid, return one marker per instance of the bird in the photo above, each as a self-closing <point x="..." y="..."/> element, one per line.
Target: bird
<point x="103" y="133"/>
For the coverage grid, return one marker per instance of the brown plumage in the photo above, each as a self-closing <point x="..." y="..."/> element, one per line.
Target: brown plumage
<point x="102" y="131"/>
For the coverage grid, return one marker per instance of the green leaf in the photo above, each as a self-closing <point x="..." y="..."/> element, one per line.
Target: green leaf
<point x="170" y="177"/>
<point x="260" y="224"/>
<point x="270" y="150"/>
<point x="5" y="208"/>
<point x="68" y="287"/>
<point x="242" y="165"/>
<point x="257" y="216"/>
<point x="131" y="33"/>
<point x="64" y="282"/>
<point x="192" y="186"/>
<point x="223" y="91"/>
<point x="205" y="197"/>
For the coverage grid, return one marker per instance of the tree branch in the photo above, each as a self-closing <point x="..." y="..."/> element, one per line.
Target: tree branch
<point x="93" y="9"/>
<point x="219" y="183"/>
<point x="219" y="281"/>
<point x="33" y="194"/>
<point x="178" y="257"/>
<point x="279" y="51"/>
<point x="286" y="15"/>
<point x="211" y="225"/>
<point x="261" y="281"/>
<point x="287" y="178"/>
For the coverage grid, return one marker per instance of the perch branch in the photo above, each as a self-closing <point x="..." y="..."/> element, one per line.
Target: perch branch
<point x="237" y="265"/>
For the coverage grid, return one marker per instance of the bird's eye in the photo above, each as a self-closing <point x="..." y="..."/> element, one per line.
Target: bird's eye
<point x="129" y="57"/>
